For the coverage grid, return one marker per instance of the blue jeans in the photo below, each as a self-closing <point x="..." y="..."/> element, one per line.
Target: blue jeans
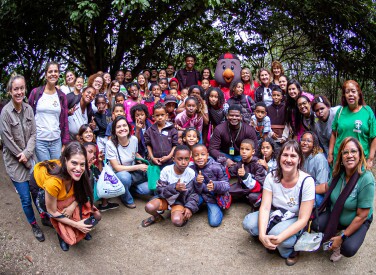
<point x="215" y="214"/>
<point x="126" y="179"/>
<point x="233" y="158"/>
<point x="24" y="193"/>
<point x="47" y="150"/>
<point x="285" y="248"/>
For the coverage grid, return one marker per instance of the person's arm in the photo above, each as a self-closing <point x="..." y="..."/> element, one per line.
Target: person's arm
<point x="305" y="211"/>
<point x="6" y="134"/>
<point x="65" y="138"/>
<point x="169" y="156"/>
<point x="322" y="188"/>
<point x="118" y="167"/>
<point x="263" y="219"/>
<point x="30" y="147"/>
<point x="51" y="205"/>
<point x="332" y="141"/>
<point x="215" y="143"/>
<point x="371" y="155"/>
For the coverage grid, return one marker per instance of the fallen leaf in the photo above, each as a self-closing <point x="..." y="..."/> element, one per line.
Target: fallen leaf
<point x="29" y="258"/>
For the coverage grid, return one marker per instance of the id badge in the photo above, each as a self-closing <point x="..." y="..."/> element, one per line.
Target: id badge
<point x="231" y="151"/>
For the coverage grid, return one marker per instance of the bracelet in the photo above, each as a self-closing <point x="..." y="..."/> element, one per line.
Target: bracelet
<point x="343" y="236"/>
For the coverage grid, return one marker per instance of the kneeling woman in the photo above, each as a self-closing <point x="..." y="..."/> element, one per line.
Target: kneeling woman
<point x="281" y="193"/>
<point x="68" y="195"/>
<point x="348" y="201"/>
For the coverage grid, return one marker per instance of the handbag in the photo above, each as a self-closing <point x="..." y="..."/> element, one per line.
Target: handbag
<point x="224" y="201"/>
<point x="108" y="185"/>
<point x="153" y="173"/>
<point x="138" y="177"/>
<point x="309" y="241"/>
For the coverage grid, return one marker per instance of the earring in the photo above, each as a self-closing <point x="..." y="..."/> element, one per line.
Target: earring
<point x="341" y="163"/>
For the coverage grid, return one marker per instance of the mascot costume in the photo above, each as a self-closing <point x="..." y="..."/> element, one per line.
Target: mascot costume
<point x="228" y="69"/>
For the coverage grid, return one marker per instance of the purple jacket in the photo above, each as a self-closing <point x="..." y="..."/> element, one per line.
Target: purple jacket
<point x="63" y="114"/>
<point x="188" y="199"/>
<point x="215" y="172"/>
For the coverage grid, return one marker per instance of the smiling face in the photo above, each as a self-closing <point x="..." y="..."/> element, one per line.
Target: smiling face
<point x="196" y="93"/>
<point x="118" y="111"/>
<point x="88" y="95"/>
<point x="170" y="70"/>
<point x="107" y="78"/>
<point x="234" y="117"/>
<point x="205" y="84"/>
<point x="351" y="95"/>
<point x="277" y="97"/>
<point x="17" y="91"/>
<point x="52" y="74"/>
<point x="134" y="92"/>
<point x="265" y="78"/>
<point x="191" y="138"/>
<point x="122" y="129"/>
<point x="98" y="83"/>
<point x="189" y="63"/>
<point x="322" y="111"/>
<point x="128" y="76"/>
<point x="88" y="135"/>
<point x="174" y="85"/>
<point x="200" y="156"/>
<point x="246" y="152"/>
<point x="91" y="151"/>
<point x="70" y="78"/>
<point x="205" y="74"/>
<point x="350" y="157"/>
<point x="282" y="83"/>
<point x="293" y="91"/>
<point x="162" y="74"/>
<point x="79" y="83"/>
<point x="289" y="160"/>
<point x="76" y="166"/>
<point x="245" y="75"/>
<point x="276" y="71"/>
<point x="141" y="80"/>
<point x="239" y="88"/>
<point x="120" y="76"/>
<point x="115" y="88"/>
<point x="306" y="144"/>
<point x="304" y="106"/>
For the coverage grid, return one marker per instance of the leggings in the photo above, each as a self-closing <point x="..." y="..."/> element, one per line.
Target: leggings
<point x="352" y="244"/>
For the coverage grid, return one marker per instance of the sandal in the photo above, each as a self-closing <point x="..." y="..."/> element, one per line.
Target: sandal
<point x="151" y="220"/>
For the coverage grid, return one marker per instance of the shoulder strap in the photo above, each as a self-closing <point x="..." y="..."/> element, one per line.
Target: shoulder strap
<point x="117" y="150"/>
<point x="36" y="98"/>
<point x="301" y="189"/>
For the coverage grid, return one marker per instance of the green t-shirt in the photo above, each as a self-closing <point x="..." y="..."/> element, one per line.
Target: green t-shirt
<point x="360" y="125"/>
<point x="361" y="197"/>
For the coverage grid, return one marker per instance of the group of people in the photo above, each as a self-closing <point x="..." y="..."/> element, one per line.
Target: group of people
<point x="269" y="143"/>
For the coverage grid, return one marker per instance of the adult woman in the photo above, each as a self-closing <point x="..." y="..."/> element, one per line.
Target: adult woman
<point x="325" y="116"/>
<point x="315" y="162"/>
<point x="162" y="74"/>
<point x="281" y="190"/>
<point x="206" y="74"/>
<point x="354" y="119"/>
<point x="51" y="116"/>
<point x="74" y="97"/>
<point x="97" y="82"/>
<point x="348" y="201"/>
<point x="143" y="83"/>
<point x="107" y="82"/>
<point x="282" y="82"/>
<point x="306" y="113"/>
<point x="277" y="71"/>
<point x="264" y="92"/>
<point x="18" y="132"/>
<point x="121" y="151"/>
<point x="70" y="80"/>
<point x="249" y="84"/>
<point x="111" y="93"/>
<point x="68" y="195"/>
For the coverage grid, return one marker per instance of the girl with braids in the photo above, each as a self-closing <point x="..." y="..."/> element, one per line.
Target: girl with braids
<point x="68" y="195"/>
<point x="315" y="162"/>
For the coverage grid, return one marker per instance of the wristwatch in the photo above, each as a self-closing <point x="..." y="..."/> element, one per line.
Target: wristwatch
<point x="344" y="237"/>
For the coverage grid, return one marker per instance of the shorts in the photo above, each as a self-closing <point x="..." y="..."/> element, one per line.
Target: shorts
<point x="163" y="205"/>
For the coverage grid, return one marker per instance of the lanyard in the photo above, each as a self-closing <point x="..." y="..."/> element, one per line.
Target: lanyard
<point x="237" y="134"/>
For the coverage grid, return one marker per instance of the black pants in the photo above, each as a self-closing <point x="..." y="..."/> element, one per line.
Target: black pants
<point x="352" y="244"/>
<point x="34" y="188"/>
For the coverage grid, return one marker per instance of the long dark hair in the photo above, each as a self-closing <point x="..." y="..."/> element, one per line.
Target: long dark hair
<point x="291" y="107"/>
<point x="311" y="114"/>
<point x="114" y="137"/>
<point x="278" y="174"/>
<point x="82" y="189"/>
<point x="221" y="97"/>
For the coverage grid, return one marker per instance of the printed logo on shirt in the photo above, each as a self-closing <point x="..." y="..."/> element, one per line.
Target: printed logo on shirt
<point x="357" y="126"/>
<point x="292" y="202"/>
<point x="55" y="103"/>
<point x="165" y="133"/>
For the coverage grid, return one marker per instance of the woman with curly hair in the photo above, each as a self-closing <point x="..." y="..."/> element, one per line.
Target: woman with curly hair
<point x="277" y="71"/>
<point x="315" y="162"/>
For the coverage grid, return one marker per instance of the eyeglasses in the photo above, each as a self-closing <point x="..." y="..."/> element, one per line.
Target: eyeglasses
<point x="353" y="152"/>
<point x="98" y="81"/>
<point x="306" y="140"/>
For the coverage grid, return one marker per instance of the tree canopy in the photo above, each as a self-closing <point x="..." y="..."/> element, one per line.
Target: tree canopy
<point x="320" y="42"/>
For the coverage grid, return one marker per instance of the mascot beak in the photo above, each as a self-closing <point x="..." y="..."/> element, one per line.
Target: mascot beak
<point x="228" y="75"/>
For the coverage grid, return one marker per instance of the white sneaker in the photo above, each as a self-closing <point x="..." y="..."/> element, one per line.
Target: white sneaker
<point x="336" y="255"/>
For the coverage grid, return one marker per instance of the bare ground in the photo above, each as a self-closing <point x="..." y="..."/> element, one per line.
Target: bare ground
<point x="121" y="246"/>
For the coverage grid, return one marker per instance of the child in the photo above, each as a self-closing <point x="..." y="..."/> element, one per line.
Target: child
<point x="161" y="138"/>
<point x="237" y="97"/>
<point x="95" y="171"/>
<point x="134" y="98"/>
<point x="141" y="123"/>
<point x="215" y="100"/>
<point x="276" y="113"/>
<point x="189" y="117"/>
<point x="205" y="84"/>
<point x="154" y="99"/>
<point x="250" y="174"/>
<point x="190" y="137"/>
<point x="118" y="111"/>
<point x="171" y="105"/>
<point x="174" y="93"/>
<point x="268" y="155"/>
<point x="163" y="83"/>
<point x="119" y="98"/>
<point x="211" y="180"/>
<point x="101" y="121"/>
<point x="176" y="191"/>
<point x="174" y="84"/>
<point x="260" y="121"/>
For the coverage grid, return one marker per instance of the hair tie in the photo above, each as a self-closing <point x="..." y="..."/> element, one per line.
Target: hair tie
<point x="321" y="100"/>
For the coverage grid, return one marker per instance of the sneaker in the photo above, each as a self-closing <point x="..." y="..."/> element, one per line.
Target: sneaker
<point x="336" y="255"/>
<point x="46" y="221"/>
<point x="38" y="234"/>
<point x="109" y="206"/>
<point x="292" y="259"/>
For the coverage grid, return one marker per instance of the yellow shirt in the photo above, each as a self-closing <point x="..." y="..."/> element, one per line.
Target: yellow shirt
<point x="50" y="183"/>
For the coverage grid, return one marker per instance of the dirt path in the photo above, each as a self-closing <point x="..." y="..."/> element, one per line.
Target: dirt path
<point x="121" y="246"/>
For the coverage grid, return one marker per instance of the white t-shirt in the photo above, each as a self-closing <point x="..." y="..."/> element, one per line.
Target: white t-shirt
<point x="127" y="153"/>
<point x="288" y="198"/>
<point x="168" y="175"/>
<point x="66" y="89"/>
<point x="267" y="96"/>
<point x="77" y="119"/>
<point x="47" y="117"/>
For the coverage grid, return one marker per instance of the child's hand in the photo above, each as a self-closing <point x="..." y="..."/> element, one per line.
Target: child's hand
<point x="180" y="186"/>
<point x="139" y="124"/>
<point x="178" y="97"/>
<point x="263" y="163"/>
<point x="200" y="178"/>
<point x="241" y="171"/>
<point x="101" y="156"/>
<point x="164" y="159"/>
<point x="210" y="186"/>
<point x="156" y="161"/>
<point x="92" y="124"/>
<point x="230" y="163"/>
<point x="187" y="214"/>
<point x="274" y="136"/>
<point x="156" y="99"/>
